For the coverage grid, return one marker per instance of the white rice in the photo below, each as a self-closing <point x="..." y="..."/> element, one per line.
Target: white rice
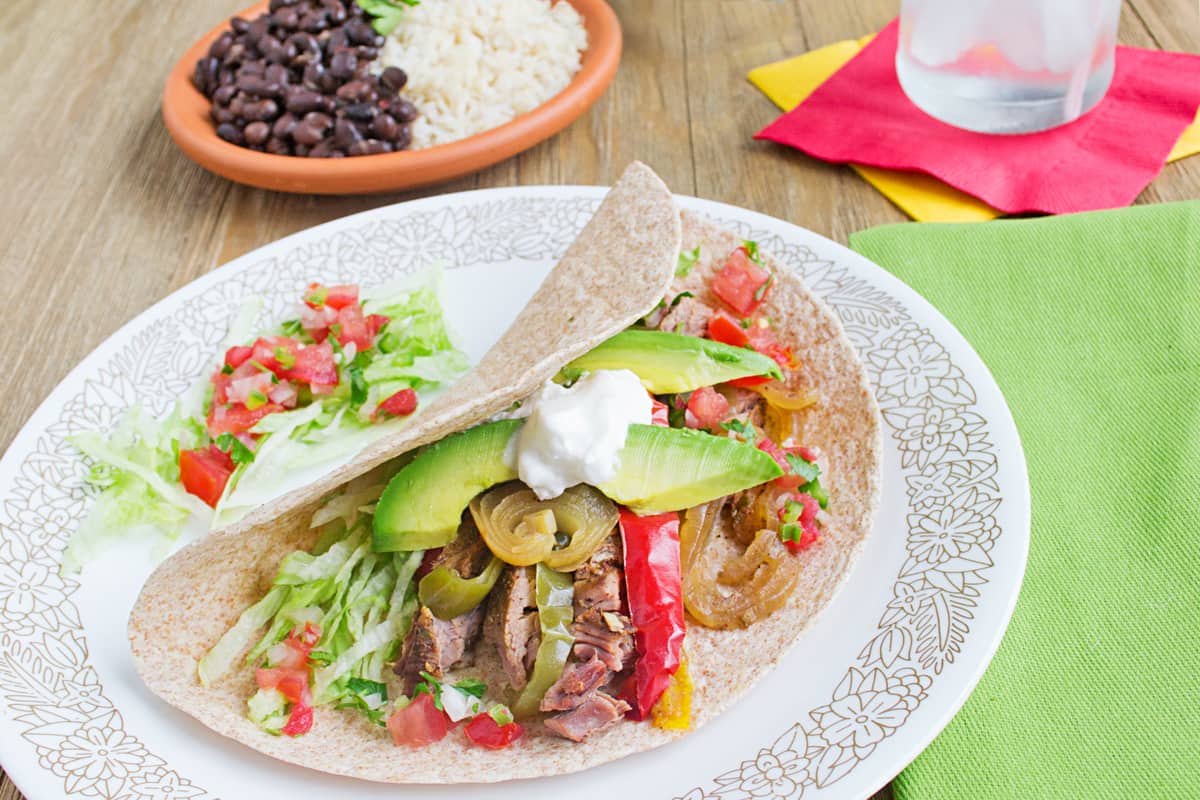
<point x="475" y="64"/>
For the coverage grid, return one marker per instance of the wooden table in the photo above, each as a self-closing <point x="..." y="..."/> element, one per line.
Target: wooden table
<point x="102" y="215"/>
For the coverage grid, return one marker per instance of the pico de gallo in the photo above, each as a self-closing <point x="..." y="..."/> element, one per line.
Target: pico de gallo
<point x="280" y="404"/>
<point x="512" y="535"/>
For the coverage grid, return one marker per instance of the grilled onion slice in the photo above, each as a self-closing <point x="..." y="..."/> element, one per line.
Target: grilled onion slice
<point x="562" y="533"/>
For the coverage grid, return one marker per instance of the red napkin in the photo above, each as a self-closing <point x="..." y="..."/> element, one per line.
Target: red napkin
<point x="1102" y="160"/>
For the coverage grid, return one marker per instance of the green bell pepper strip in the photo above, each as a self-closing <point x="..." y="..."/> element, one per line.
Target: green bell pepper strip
<point x="556" y="612"/>
<point x="448" y="595"/>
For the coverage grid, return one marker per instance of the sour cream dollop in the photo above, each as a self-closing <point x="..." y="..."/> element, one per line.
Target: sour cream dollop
<point x="575" y="434"/>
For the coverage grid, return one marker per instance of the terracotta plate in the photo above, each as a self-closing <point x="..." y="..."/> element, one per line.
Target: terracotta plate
<point x="185" y="111"/>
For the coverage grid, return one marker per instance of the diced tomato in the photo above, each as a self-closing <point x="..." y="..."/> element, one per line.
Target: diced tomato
<point x="238" y="355"/>
<point x="315" y="366"/>
<point x="400" y="404"/>
<point x="659" y="413"/>
<point x="741" y="284"/>
<point x="768" y="446"/>
<point x="808" y="453"/>
<point x="375" y="323"/>
<point x="352" y="328"/>
<point x="204" y="472"/>
<point x="724" y="327"/>
<point x="299" y="721"/>
<point x="762" y="339"/>
<point x="486" y="732"/>
<point x="275" y="353"/>
<point x="419" y="723"/>
<point x="708" y="407"/>
<point x="292" y="683"/>
<point x="237" y="418"/>
<point x="304" y="638"/>
<point x="341" y="296"/>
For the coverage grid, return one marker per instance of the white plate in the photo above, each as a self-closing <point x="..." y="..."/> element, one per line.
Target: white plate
<point x="864" y="690"/>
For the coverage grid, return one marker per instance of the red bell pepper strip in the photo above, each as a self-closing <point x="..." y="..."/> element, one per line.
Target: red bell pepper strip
<point x="655" y="589"/>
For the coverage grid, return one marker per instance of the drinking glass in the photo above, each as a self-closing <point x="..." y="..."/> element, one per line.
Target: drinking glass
<point x="1006" y="66"/>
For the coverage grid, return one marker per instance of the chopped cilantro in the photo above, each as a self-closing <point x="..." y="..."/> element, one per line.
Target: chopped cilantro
<point x="321" y="657"/>
<point x="368" y="696"/>
<point x="752" y="250"/>
<point x="687" y="260"/>
<point x="292" y="327"/>
<point x="741" y="428"/>
<point x="431" y="686"/>
<point x="258" y="365"/>
<point x="745" y="323"/>
<point x="677" y="411"/>
<point x="472" y="686"/>
<point x="805" y="469"/>
<point x="226" y="370"/>
<point x="237" y="449"/>
<point x="387" y="13"/>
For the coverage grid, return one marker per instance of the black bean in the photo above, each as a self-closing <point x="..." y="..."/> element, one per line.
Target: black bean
<point x="305" y="43"/>
<point x="277" y="73"/>
<point x="257" y="68"/>
<point x="286" y="18"/>
<point x="318" y="120"/>
<point x="369" y="147"/>
<point x="336" y="11"/>
<point x="385" y="127"/>
<point x="343" y="64"/>
<point x="261" y="110"/>
<point x="230" y="133"/>
<point x="300" y="149"/>
<point x="258" y="27"/>
<point x="307" y="134"/>
<point x="346" y="134"/>
<point x="403" y="110"/>
<point x="314" y="22"/>
<point x="221" y="46"/>
<point x="258" y="86"/>
<point x="394" y="78"/>
<point x="357" y="92"/>
<point x="257" y="132"/>
<point x="301" y="101"/>
<point x="239" y="25"/>
<point x="360" y="32"/>
<point x="404" y="139"/>
<point x="274" y="51"/>
<point x="237" y="104"/>
<point x="361" y="112"/>
<point x="276" y="5"/>
<point x="221" y="114"/>
<point x="223" y="95"/>
<point x="336" y="40"/>
<point x="367" y="54"/>
<point x="205" y="76"/>
<point x="277" y="146"/>
<point x="227" y="77"/>
<point x="283" y="126"/>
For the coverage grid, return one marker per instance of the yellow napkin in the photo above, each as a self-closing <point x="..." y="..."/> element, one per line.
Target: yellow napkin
<point x="922" y="197"/>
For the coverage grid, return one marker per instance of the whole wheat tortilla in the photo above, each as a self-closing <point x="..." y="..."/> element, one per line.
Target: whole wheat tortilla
<point x="195" y="596"/>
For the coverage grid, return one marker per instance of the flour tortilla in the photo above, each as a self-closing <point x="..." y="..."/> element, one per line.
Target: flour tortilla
<point x="195" y="596"/>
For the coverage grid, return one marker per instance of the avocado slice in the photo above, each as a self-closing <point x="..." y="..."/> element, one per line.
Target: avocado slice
<point x="423" y="503"/>
<point x="669" y="469"/>
<point x="671" y="362"/>
<point x="662" y="469"/>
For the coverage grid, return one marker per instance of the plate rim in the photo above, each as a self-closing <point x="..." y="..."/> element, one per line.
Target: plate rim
<point x="185" y="114"/>
<point x="1002" y="421"/>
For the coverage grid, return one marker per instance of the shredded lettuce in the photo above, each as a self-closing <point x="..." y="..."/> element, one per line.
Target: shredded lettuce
<point x="267" y="708"/>
<point x="136" y="467"/>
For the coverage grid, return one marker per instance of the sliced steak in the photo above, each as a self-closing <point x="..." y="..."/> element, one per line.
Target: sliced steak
<point x="435" y="645"/>
<point x="513" y="618"/>
<point x="597" y="712"/>
<point x="603" y="646"/>
<point x="689" y="317"/>
<point x="578" y="678"/>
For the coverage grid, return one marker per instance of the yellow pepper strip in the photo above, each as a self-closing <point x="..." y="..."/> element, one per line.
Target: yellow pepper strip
<point x="673" y="711"/>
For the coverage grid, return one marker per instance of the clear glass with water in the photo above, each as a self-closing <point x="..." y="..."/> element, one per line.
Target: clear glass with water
<point x="1006" y="66"/>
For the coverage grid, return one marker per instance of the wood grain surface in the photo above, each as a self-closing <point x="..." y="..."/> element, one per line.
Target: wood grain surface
<point x="101" y="215"/>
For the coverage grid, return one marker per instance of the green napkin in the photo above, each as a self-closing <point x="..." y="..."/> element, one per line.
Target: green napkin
<point x="1091" y="325"/>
